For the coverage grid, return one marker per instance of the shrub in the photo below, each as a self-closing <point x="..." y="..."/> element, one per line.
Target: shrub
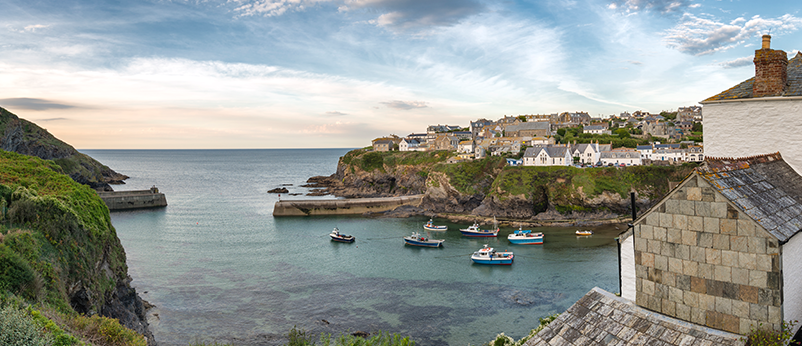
<point x="760" y="336"/>
<point x="17" y="328"/>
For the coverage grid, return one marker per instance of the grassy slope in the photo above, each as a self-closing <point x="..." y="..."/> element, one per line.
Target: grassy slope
<point x="55" y="234"/>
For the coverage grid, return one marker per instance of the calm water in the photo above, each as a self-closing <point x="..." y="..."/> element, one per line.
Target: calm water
<point x="219" y="267"/>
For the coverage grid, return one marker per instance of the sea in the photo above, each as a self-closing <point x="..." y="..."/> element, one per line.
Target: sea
<point x="218" y="267"/>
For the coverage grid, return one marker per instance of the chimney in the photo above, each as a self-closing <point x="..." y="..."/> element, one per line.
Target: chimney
<point x="771" y="70"/>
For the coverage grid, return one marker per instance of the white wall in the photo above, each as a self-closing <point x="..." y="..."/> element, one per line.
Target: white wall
<point x="628" y="268"/>
<point x="755" y="127"/>
<point x="792" y="280"/>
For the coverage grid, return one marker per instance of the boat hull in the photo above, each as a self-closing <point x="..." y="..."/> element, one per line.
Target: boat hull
<point x="423" y="243"/>
<point x="493" y="261"/>
<point x="435" y="228"/>
<point x="530" y="241"/>
<point x="343" y="240"/>
<point x="478" y="234"/>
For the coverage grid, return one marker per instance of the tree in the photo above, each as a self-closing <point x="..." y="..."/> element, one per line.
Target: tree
<point x="697" y="127"/>
<point x="622" y="133"/>
<point x="522" y="118"/>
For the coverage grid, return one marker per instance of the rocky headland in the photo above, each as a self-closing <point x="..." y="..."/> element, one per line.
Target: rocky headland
<point x="487" y="188"/>
<point x="24" y="137"/>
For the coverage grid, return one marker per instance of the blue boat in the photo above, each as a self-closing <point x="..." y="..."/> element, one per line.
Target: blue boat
<point x="525" y="237"/>
<point x="419" y="240"/>
<point x="342" y="238"/>
<point x="489" y="255"/>
<point x="430" y="226"/>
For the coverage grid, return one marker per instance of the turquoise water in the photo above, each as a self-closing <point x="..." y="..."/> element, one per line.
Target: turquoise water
<point x="219" y="267"/>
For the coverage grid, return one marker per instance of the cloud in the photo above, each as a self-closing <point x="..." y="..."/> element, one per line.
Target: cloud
<point x="633" y="62"/>
<point x="413" y="15"/>
<point x="52" y="119"/>
<point x="32" y="104"/>
<point x="405" y="105"/>
<point x="701" y="36"/>
<point x="740" y="62"/>
<point x="271" y="8"/>
<point x="660" y="6"/>
<point x="32" y="28"/>
<point x="335" y="114"/>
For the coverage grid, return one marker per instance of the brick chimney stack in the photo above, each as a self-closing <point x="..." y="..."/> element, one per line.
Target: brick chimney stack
<point x="771" y="70"/>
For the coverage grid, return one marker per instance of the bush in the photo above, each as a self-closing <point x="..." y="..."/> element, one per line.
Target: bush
<point x="17" y="328"/>
<point x="760" y="336"/>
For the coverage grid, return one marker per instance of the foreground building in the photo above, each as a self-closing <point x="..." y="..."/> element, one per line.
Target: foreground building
<point x="761" y="114"/>
<point x="722" y="249"/>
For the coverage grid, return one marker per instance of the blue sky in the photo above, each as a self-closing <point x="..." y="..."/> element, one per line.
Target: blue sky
<point x="337" y="73"/>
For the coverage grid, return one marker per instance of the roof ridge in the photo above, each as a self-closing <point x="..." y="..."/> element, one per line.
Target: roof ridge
<point x="726" y="164"/>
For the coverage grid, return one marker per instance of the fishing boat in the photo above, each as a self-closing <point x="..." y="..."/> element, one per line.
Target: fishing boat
<point x="418" y="240"/>
<point x="489" y="255"/>
<point x="475" y="231"/>
<point x="526" y="237"/>
<point x="430" y="226"/>
<point x="336" y="236"/>
<point x="584" y="232"/>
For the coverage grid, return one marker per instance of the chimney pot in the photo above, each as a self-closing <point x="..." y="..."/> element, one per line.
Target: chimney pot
<point x="766" y="41"/>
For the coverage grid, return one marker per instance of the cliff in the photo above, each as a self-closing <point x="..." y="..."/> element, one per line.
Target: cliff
<point x="24" y="137"/>
<point x="58" y="247"/>
<point x="489" y="187"/>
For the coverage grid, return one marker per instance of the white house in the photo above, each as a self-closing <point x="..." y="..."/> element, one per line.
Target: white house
<point x="596" y="130"/>
<point x="551" y="155"/>
<point x="760" y="115"/>
<point x="669" y="155"/>
<point x="587" y="153"/>
<point x="465" y="147"/>
<point x="408" y="145"/>
<point x="646" y="151"/>
<point x="617" y="157"/>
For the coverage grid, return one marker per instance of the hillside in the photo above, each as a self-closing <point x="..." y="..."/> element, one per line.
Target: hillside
<point x="489" y="187"/>
<point x="58" y="248"/>
<point x="24" y="137"/>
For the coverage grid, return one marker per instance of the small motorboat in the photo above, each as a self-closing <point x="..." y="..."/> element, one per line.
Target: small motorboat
<point x="336" y="236"/>
<point x="584" y="232"/>
<point x="526" y="237"/>
<point x="489" y="255"/>
<point x="430" y="226"/>
<point x="419" y="240"/>
<point x="475" y="231"/>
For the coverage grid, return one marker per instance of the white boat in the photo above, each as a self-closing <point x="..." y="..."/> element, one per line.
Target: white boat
<point x="418" y="240"/>
<point x="475" y="231"/>
<point x="489" y="255"/>
<point x="430" y="226"/>
<point x="584" y="232"/>
<point x="526" y="237"/>
<point x="336" y="236"/>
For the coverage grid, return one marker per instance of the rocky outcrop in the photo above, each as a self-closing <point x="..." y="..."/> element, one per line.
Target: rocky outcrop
<point x="24" y="137"/>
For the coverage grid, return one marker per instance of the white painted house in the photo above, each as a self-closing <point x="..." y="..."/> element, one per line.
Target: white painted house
<point x="618" y="157"/>
<point x="587" y="153"/>
<point x="408" y="145"/>
<point x="762" y="114"/>
<point x="551" y="155"/>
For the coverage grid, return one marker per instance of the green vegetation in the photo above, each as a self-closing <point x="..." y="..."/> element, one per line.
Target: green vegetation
<point x="760" y="336"/>
<point x="55" y="234"/>
<point x="504" y="340"/>
<point x="300" y="337"/>
<point x="621" y="138"/>
<point x="473" y="177"/>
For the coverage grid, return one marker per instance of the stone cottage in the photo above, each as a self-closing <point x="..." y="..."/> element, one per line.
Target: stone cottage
<point x="721" y="249"/>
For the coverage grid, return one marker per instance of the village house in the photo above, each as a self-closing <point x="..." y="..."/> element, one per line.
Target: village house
<point x="618" y="157"/>
<point x="596" y="130"/>
<point x="528" y="129"/>
<point x="586" y="153"/>
<point x="408" y="144"/>
<point x="761" y="113"/>
<point x="550" y="155"/>
<point x="445" y="141"/>
<point x="385" y="143"/>
<point x="721" y="249"/>
<point x="465" y="146"/>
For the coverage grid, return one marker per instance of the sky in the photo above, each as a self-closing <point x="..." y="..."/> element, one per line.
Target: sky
<point x="220" y="74"/>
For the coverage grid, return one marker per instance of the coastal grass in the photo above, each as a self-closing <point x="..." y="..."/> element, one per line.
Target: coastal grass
<point x="504" y="340"/>
<point x="301" y="337"/>
<point x="473" y="177"/>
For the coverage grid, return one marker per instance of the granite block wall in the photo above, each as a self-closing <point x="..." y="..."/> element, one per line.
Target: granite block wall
<point x="697" y="258"/>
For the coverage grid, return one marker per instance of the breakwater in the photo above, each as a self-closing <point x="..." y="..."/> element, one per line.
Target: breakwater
<point x="342" y="206"/>
<point x="137" y="199"/>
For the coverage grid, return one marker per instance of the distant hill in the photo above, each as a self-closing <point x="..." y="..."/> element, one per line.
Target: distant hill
<point x="24" y="137"/>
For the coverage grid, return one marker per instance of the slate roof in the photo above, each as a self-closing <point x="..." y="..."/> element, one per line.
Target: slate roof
<point x="594" y="127"/>
<point x="531" y="125"/>
<point x="744" y="90"/>
<point x="601" y="318"/>
<point x="764" y="187"/>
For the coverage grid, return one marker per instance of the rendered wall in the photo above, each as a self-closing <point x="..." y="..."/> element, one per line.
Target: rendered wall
<point x="792" y="280"/>
<point x="700" y="260"/>
<point x="755" y="127"/>
<point x="628" y="268"/>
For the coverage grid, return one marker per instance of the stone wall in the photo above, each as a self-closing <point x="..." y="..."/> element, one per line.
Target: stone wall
<point x="137" y="199"/>
<point x="700" y="260"/>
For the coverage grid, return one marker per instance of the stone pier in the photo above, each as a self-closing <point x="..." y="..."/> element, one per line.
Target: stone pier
<point x="342" y="206"/>
<point x="137" y="199"/>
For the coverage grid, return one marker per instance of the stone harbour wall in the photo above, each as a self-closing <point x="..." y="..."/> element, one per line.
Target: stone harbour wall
<point x="700" y="260"/>
<point x="138" y="199"/>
